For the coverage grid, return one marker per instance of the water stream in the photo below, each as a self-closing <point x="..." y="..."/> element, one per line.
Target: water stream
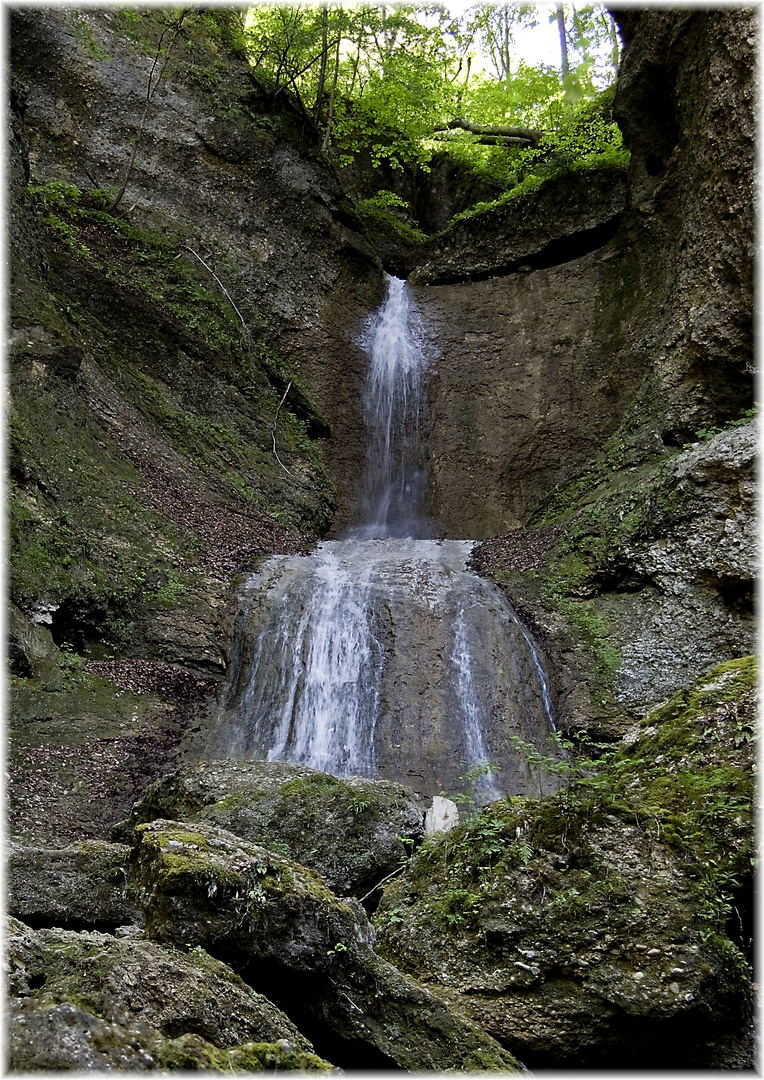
<point x="381" y="654"/>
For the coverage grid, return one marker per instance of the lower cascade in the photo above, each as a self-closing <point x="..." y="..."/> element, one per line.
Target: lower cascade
<point x="382" y="655"/>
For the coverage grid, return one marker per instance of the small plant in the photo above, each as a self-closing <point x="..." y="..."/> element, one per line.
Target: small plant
<point x="360" y="803"/>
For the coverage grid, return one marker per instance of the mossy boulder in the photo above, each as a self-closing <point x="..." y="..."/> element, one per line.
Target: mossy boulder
<point x="84" y="884"/>
<point x="353" y="832"/>
<point x="129" y="989"/>
<point x="607" y="922"/>
<point x="272" y="919"/>
<point x="42" y="1037"/>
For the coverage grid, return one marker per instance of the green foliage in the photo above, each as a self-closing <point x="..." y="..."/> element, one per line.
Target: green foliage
<point x="573" y="140"/>
<point x="383" y="199"/>
<point x="458" y="907"/>
<point x="385" y="79"/>
<point x="705" y="433"/>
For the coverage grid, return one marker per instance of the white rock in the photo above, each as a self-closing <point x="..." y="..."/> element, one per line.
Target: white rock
<point x="442" y="816"/>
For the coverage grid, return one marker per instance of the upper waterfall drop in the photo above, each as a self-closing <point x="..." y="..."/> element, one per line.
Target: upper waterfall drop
<point x="391" y="499"/>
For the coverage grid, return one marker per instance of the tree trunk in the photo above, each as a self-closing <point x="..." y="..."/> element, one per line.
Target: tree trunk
<point x="332" y="95"/>
<point x="529" y="136"/>
<point x="559" y="16"/>
<point x="322" y="69"/>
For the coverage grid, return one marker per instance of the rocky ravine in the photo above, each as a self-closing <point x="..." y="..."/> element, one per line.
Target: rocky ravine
<point x="589" y="406"/>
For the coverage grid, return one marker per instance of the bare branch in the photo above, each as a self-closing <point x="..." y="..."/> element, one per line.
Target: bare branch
<point x="273" y="430"/>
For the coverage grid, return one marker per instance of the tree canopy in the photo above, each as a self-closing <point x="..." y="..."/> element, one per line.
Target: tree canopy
<point x="402" y="83"/>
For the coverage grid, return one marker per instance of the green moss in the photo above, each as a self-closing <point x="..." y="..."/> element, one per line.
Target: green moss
<point x="377" y="219"/>
<point x="686" y="783"/>
<point x="191" y="1052"/>
<point x="313" y="786"/>
<point x="607" y="160"/>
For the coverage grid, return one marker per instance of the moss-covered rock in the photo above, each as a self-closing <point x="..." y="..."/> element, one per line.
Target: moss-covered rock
<point x="354" y="832"/>
<point x="42" y="1037"/>
<point x="130" y="982"/>
<point x="559" y="220"/>
<point x="85" y="884"/>
<point x="639" y="579"/>
<point x="264" y="913"/>
<point x="603" y="923"/>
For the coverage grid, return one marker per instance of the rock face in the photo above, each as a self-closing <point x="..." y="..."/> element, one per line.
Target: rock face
<point x="304" y="280"/>
<point x="644" y="582"/>
<point x="649" y="334"/>
<point x="699" y="571"/>
<point x="591" y="926"/>
<point x="555" y="224"/>
<point x="298" y="812"/>
<point x="535" y="372"/>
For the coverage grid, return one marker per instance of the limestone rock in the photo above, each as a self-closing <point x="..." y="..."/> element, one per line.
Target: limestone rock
<point x="129" y="982"/>
<point x="563" y="219"/>
<point x="592" y="926"/>
<point x="43" y="1037"/>
<point x="442" y="816"/>
<point x="84" y="884"/>
<point x="350" y="831"/>
<point x="698" y="566"/>
<point x="68" y="1038"/>
<point x="202" y="885"/>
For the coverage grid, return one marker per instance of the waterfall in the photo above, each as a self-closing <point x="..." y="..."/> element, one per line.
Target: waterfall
<point x="390" y="503"/>
<point x="312" y="693"/>
<point x="380" y="654"/>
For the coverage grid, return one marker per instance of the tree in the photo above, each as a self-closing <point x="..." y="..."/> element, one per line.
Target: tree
<point x="398" y="81"/>
<point x="494" y="26"/>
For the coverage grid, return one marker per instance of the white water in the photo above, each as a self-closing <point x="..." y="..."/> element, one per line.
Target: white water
<point x="381" y="654"/>
<point x="390" y="503"/>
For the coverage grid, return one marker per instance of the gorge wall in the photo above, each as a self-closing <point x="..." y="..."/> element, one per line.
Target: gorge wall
<point x="186" y="377"/>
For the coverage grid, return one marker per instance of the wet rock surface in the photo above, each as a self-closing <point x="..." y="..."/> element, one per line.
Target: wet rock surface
<point x="446" y="673"/>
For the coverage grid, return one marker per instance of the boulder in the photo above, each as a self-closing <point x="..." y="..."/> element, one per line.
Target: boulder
<point x="81" y="885"/>
<point x="164" y="991"/>
<point x="274" y="920"/>
<point x="351" y="831"/>
<point x="44" y="1037"/>
<point x="66" y="1037"/>
<point x="607" y="923"/>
